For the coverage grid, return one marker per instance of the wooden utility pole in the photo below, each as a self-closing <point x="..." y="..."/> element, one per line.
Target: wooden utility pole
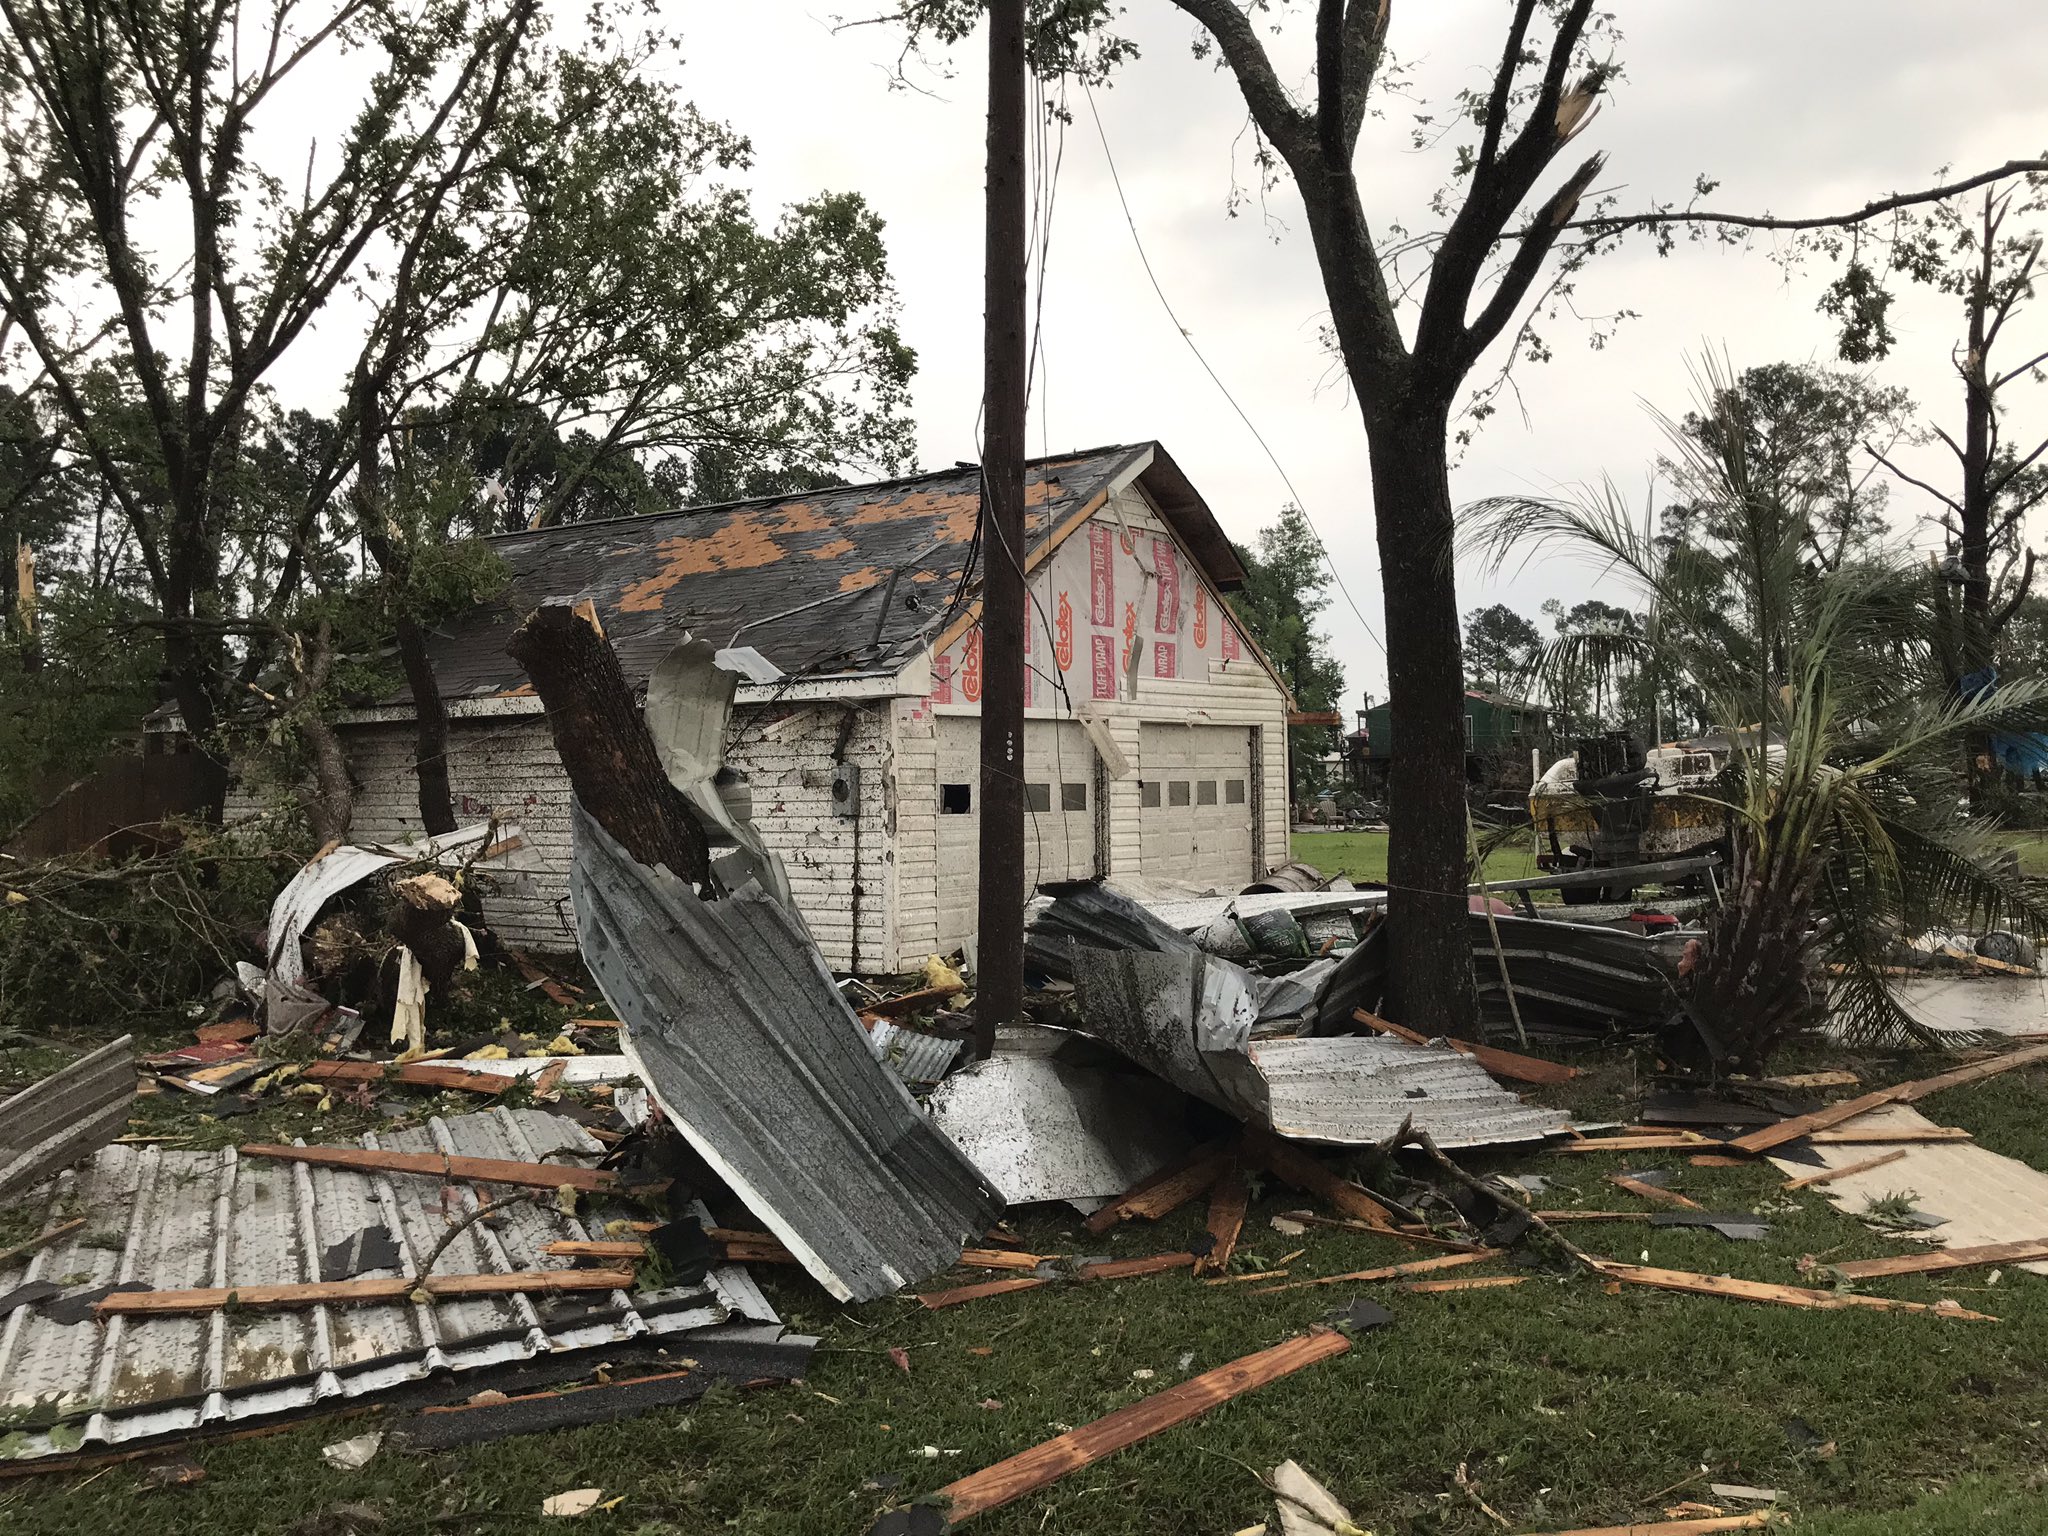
<point x="999" y="957"/>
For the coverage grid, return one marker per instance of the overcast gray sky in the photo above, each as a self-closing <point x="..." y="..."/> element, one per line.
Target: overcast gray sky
<point x="1796" y="108"/>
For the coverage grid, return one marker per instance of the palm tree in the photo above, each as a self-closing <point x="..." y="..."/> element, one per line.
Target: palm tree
<point x="1841" y="794"/>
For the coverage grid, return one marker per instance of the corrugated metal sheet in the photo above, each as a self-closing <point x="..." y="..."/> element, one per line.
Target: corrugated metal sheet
<point x="912" y="1055"/>
<point x="58" y="1120"/>
<point x="1984" y="1196"/>
<point x="1189" y="1017"/>
<point x="736" y="1026"/>
<point x="162" y="1219"/>
<point x="1044" y="1128"/>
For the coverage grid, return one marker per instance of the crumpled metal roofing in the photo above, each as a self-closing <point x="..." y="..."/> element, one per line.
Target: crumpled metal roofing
<point x="735" y="1025"/>
<point x="1190" y="1016"/>
<point x="162" y="1219"/>
<point x="1042" y="1126"/>
<point x="60" y="1119"/>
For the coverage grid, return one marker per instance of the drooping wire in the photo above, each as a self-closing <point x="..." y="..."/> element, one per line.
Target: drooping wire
<point x="1300" y="504"/>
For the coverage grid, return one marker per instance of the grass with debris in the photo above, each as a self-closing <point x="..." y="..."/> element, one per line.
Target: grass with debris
<point x="1363" y="856"/>
<point x="1567" y="1406"/>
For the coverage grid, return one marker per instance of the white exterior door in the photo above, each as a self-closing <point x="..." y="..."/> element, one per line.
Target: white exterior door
<point x="1196" y="815"/>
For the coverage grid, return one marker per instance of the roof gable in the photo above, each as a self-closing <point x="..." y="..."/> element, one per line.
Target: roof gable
<point x="801" y="578"/>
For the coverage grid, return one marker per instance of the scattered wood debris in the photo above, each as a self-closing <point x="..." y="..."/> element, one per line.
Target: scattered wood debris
<point x="1784" y="1295"/>
<point x="1829" y="1175"/>
<point x="2025" y="1251"/>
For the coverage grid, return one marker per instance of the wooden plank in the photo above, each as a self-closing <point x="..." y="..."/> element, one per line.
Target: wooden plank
<point x="1764" y="1138"/>
<point x="550" y="1075"/>
<point x="1829" y="1175"/>
<point x="960" y="1293"/>
<point x="1124" y="1269"/>
<point x="739" y="1247"/>
<point x="1389" y="1271"/>
<point x="2025" y="1251"/>
<point x="353" y="1293"/>
<point x="1718" y="1160"/>
<point x="420" y="1074"/>
<point x="1808" y="1080"/>
<point x="1593" y="1215"/>
<point x="1852" y="1136"/>
<point x="1402" y="1234"/>
<point x="1783" y="1295"/>
<point x="41" y="1240"/>
<point x="1516" y="1068"/>
<point x="1257" y="1274"/>
<point x="554" y="990"/>
<point x="1031" y="1470"/>
<point x="1291" y="1165"/>
<point x="481" y="1170"/>
<point x="578" y="1248"/>
<point x="1461" y="1283"/>
<point x="1228" y="1202"/>
<point x="1705" y="1526"/>
<point x="1653" y="1193"/>
<point x="1003" y="1258"/>
<point x="1166" y="1190"/>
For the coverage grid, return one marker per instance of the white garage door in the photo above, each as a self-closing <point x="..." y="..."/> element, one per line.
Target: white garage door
<point x="1195" y="813"/>
<point x="1059" y="814"/>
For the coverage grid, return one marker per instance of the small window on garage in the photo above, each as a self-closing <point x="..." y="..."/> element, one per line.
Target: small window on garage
<point x="1073" y="797"/>
<point x="956" y="799"/>
<point x="1205" y="792"/>
<point x="1148" y="794"/>
<point x="1177" y="792"/>
<point x="1037" y="798"/>
<point x="1233" y="791"/>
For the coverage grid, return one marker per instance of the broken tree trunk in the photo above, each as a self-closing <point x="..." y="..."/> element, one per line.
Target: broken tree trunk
<point x="603" y="740"/>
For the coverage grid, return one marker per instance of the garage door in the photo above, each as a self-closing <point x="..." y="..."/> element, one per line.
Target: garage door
<point x="1059" y="813"/>
<point x="1195" y="813"/>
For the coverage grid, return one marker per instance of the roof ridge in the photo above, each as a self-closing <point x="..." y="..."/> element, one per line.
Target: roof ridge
<point x="698" y="508"/>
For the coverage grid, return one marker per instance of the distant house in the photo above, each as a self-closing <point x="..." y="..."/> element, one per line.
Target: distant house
<point x="1499" y="732"/>
<point x="1155" y="737"/>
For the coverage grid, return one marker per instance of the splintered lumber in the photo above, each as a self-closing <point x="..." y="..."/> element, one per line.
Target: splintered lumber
<point x="1167" y="1190"/>
<point x="738" y="1247"/>
<point x="2026" y="1251"/>
<point x="1718" y="1160"/>
<point x="1809" y="1080"/>
<point x="1854" y="1136"/>
<point x="1228" y="1202"/>
<point x="1029" y="1471"/>
<point x="1256" y="1274"/>
<point x="1291" y="1165"/>
<point x="1592" y="1215"/>
<point x="1769" y="1136"/>
<point x="1663" y="1141"/>
<point x="1705" y="1526"/>
<point x="1829" y="1175"/>
<point x="356" y="1293"/>
<point x="1002" y="1258"/>
<point x="959" y="1293"/>
<point x="1389" y="1271"/>
<point x="1124" y="1269"/>
<point x="1783" y="1295"/>
<point x="1461" y="1283"/>
<point x="1520" y="1069"/>
<point x="420" y="1074"/>
<point x="578" y="1248"/>
<point x="1653" y="1193"/>
<point x="474" y="1170"/>
<point x="1401" y="1234"/>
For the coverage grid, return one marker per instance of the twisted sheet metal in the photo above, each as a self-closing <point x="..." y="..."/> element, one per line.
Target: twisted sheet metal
<point x="733" y="1022"/>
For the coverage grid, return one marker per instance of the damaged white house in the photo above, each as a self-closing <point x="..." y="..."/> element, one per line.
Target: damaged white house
<point x="1155" y="733"/>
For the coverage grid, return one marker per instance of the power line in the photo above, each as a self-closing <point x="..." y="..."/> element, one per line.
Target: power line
<point x="1300" y="504"/>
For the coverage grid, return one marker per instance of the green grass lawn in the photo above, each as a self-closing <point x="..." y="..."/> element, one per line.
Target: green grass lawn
<point x="1567" y="1405"/>
<point x="1363" y="856"/>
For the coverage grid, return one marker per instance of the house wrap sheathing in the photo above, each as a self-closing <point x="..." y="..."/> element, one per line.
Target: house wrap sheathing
<point x="1155" y="736"/>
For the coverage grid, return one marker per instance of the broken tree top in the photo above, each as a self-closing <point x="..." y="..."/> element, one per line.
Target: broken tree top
<point x="713" y="569"/>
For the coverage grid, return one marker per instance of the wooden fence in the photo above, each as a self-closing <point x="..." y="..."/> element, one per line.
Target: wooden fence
<point x="117" y="807"/>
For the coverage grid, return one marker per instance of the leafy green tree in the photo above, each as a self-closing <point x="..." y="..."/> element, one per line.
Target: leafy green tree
<point x="1500" y="647"/>
<point x="1285" y="589"/>
<point x="1841" y="808"/>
